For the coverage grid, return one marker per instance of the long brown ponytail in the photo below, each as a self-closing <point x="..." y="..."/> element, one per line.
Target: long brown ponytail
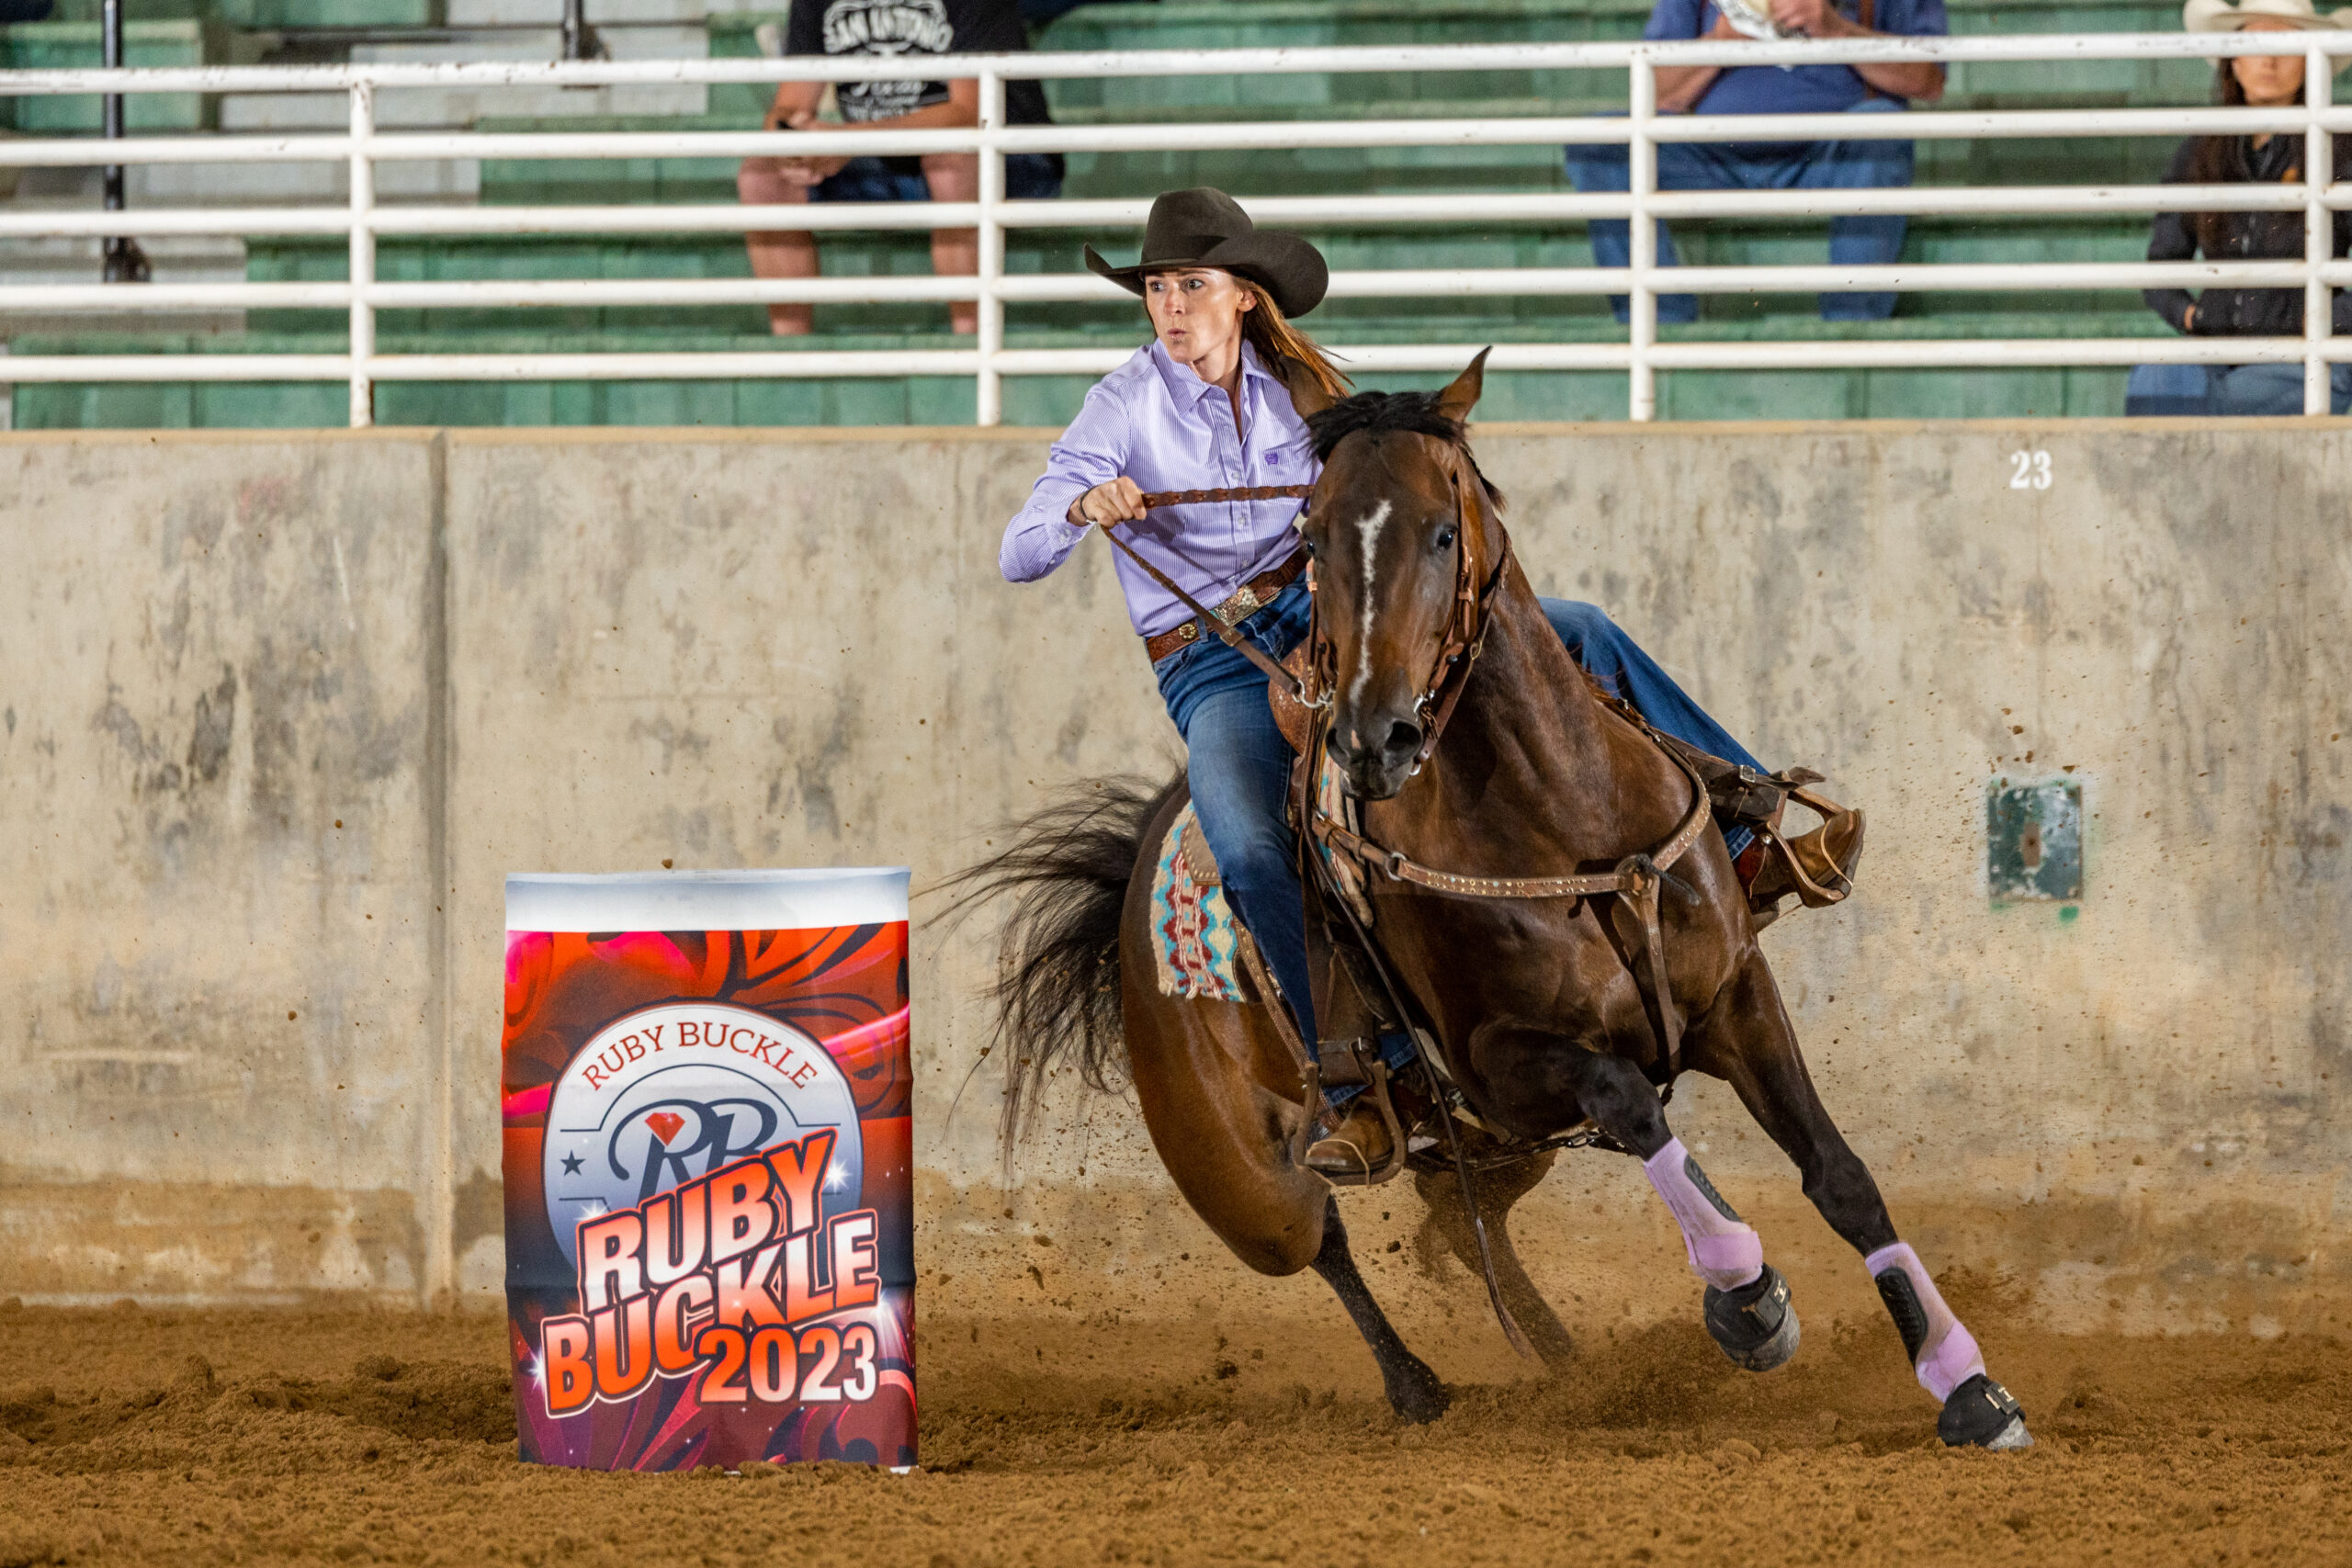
<point x="1290" y="354"/>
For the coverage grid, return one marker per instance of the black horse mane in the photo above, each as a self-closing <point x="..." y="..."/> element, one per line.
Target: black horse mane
<point x="1408" y="414"/>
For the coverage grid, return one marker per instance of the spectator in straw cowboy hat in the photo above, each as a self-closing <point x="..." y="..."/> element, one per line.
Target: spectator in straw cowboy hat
<point x="2256" y="81"/>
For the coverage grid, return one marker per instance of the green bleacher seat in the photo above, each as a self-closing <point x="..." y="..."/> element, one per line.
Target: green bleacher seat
<point x="1203" y="24"/>
<point x="70" y="45"/>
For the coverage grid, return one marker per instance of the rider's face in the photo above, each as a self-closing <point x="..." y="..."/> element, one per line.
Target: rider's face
<point x="1196" y="313"/>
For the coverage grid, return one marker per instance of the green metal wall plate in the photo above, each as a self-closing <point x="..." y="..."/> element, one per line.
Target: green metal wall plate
<point x="2033" y="840"/>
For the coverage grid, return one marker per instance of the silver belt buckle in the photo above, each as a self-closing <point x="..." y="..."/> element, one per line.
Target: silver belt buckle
<point x="1244" y="601"/>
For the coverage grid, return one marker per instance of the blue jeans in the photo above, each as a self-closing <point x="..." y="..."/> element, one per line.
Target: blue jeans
<point x="1747" y="166"/>
<point x="1238" y="764"/>
<point x="2228" y="390"/>
<point x="1632" y="677"/>
<point x="1028" y="176"/>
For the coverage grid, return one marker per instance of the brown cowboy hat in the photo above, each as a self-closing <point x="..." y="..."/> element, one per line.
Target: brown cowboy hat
<point x="1207" y="228"/>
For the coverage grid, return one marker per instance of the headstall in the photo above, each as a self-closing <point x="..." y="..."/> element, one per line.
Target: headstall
<point x="1637" y="880"/>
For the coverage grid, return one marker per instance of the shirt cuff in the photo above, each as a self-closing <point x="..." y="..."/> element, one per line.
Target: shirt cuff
<point x="1058" y="497"/>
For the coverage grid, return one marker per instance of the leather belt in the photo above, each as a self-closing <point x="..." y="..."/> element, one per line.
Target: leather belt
<point x="1247" y="600"/>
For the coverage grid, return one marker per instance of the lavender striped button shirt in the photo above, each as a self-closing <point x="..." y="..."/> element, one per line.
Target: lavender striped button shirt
<point x="1165" y="428"/>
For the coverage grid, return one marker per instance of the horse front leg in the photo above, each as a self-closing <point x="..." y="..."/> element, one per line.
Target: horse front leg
<point x="1747" y="1041"/>
<point x="1746" y="1302"/>
<point x="1414" y="1390"/>
<point x="1448" y="1225"/>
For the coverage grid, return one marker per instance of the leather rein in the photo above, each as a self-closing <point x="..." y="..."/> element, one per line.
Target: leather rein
<point x="1228" y="633"/>
<point x="1636" y="881"/>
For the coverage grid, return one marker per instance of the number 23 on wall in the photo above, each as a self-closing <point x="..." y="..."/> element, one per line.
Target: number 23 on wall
<point x="2029" y="470"/>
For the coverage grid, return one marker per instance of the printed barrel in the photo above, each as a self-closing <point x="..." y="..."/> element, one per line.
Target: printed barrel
<point x="709" y="1163"/>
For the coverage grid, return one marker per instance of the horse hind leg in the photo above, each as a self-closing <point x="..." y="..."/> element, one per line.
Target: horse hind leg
<point x="1448" y="1224"/>
<point x="1746" y="1306"/>
<point x="1748" y="1041"/>
<point x="1414" y="1390"/>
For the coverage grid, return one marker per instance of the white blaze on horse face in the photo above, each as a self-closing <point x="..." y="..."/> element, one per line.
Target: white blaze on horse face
<point x="1368" y="529"/>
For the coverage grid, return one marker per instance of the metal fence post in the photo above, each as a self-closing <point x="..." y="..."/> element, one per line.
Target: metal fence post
<point x="1642" y="170"/>
<point x="363" y="254"/>
<point x="2319" y="228"/>
<point x="121" y="260"/>
<point x="580" y="39"/>
<point x="989" y="400"/>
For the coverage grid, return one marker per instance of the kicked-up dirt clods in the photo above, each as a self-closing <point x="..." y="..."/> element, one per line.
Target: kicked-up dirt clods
<point x="336" y="1436"/>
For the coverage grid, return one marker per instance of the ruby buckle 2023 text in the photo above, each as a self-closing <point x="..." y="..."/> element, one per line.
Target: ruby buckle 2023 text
<point x="723" y="1277"/>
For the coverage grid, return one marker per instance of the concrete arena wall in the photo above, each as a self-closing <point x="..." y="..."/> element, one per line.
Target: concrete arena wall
<point x="278" y="712"/>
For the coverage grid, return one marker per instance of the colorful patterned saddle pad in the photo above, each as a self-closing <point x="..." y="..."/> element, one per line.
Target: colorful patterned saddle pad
<point x="1194" y="935"/>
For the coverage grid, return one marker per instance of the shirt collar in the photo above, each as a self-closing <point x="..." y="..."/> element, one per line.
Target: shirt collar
<point x="1185" y="387"/>
<point x="1253" y="366"/>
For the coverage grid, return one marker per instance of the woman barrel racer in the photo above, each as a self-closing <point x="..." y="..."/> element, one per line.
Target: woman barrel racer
<point x="1207" y="404"/>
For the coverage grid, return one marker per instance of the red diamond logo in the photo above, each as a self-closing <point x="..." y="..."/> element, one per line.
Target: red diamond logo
<point x="665" y="1125"/>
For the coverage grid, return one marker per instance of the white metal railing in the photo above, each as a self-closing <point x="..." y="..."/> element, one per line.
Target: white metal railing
<point x="988" y="360"/>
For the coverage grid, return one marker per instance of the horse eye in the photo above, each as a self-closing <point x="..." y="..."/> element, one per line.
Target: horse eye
<point x="1445" y="538"/>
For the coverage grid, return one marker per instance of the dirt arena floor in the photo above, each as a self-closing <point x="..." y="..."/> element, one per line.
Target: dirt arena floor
<point x="130" y="1434"/>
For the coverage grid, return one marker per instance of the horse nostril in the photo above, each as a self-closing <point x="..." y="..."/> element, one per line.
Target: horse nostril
<point x="1403" y="737"/>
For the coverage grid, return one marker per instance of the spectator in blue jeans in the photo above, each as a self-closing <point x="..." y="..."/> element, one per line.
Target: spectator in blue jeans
<point x="907" y="29"/>
<point x="1778" y="165"/>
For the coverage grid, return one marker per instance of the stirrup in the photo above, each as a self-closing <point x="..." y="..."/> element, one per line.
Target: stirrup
<point x="1358" y="1061"/>
<point x="1833" y="881"/>
<point x="1746" y="797"/>
<point x="1738" y="794"/>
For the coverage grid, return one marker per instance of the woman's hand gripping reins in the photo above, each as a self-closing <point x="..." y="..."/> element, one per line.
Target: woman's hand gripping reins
<point x="1111" y="503"/>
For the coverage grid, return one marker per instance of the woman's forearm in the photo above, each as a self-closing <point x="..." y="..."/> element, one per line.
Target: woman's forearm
<point x="1041" y="535"/>
<point x="948" y="116"/>
<point x="1922" y="80"/>
<point x="1681" y="86"/>
<point x="1919" y="80"/>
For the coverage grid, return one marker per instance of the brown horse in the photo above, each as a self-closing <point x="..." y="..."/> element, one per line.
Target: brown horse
<point x="1557" y="1027"/>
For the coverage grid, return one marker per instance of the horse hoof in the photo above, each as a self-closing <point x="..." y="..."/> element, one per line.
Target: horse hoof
<point x="1418" y="1398"/>
<point x="1982" y="1413"/>
<point x="1754" y="1323"/>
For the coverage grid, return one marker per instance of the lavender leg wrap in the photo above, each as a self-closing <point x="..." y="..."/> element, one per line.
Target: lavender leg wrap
<point x="1943" y="1352"/>
<point x="1724" y="1249"/>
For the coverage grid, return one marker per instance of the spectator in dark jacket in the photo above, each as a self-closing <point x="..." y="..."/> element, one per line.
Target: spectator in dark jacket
<point x="2260" y="82"/>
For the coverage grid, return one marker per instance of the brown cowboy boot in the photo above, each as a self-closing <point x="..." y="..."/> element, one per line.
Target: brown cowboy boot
<point x="1819" y="867"/>
<point x="1356" y="1146"/>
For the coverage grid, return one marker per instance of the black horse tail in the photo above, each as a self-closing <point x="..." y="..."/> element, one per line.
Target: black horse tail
<point x="1067" y="870"/>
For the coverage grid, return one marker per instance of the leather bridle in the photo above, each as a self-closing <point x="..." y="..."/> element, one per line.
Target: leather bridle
<point x="1466" y="629"/>
<point x="1636" y="881"/>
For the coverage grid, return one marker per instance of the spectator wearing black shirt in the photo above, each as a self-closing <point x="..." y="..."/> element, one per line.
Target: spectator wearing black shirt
<point x="2257" y="81"/>
<point x="898" y="27"/>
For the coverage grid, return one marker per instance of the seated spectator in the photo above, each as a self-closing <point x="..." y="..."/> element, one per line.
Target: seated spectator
<point x="1779" y="166"/>
<point x="901" y="27"/>
<point x="2259" y="81"/>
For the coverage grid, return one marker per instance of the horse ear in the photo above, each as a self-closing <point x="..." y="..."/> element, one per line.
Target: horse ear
<point x="1456" y="402"/>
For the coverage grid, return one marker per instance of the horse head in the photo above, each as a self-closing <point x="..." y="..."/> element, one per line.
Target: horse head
<point x="1404" y="535"/>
